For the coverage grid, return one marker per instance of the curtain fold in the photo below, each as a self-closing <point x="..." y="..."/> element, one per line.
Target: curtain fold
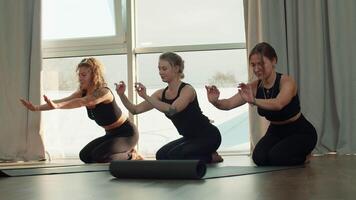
<point x="342" y="23"/>
<point x="20" y="70"/>
<point x="315" y="44"/>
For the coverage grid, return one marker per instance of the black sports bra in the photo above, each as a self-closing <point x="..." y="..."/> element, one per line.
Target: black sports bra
<point x="290" y="110"/>
<point x="104" y="113"/>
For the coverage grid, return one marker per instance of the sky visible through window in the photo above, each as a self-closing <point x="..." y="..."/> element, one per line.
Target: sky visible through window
<point x="67" y="19"/>
<point x="187" y="22"/>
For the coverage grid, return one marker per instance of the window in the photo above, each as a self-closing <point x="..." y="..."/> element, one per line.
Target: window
<point x="81" y="19"/>
<point x="82" y="27"/>
<point x="208" y="34"/>
<point x="189" y="22"/>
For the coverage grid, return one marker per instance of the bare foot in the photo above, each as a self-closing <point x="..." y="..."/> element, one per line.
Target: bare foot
<point x="216" y="158"/>
<point x="135" y="155"/>
<point x="307" y="158"/>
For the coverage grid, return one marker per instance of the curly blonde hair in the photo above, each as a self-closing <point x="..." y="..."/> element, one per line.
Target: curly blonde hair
<point x="97" y="71"/>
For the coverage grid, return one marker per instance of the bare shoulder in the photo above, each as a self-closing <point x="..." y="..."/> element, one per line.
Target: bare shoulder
<point x="188" y="92"/>
<point x="101" y="92"/>
<point x="288" y="83"/>
<point x="287" y="79"/>
<point x="188" y="88"/>
<point x="158" y="93"/>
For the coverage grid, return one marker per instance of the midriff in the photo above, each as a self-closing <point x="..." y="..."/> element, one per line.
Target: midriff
<point x="292" y="119"/>
<point x="116" y="124"/>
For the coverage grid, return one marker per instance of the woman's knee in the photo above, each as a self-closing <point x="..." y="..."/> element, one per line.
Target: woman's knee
<point x="84" y="157"/>
<point x="260" y="158"/>
<point x="161" y="154"/>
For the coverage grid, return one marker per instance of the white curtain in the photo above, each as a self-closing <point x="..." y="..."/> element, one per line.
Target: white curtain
<point x="20" y="69"/>
<point x="315" y="44"/>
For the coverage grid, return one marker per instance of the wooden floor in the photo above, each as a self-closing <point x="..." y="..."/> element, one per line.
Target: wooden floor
<point x="326" y="177"/>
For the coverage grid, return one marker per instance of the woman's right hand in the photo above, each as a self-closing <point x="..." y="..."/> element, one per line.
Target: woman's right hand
<point x="213" y="93"/>
<point x="246" y="93"/>
<point x="141" y="90"/>
<point x="120" y="87"/>
<point x="29" y="105"/>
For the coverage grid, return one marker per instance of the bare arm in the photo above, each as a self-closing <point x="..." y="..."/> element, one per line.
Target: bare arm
<point x="213" y="94"/>
<point x="186" y="96"/>
<point x="134" y="109"/>
<point x="230" y="103"/>
<point x="288" y="89"/>
<point x="44" y="107"/>
<point x="99" y="96"/>
<point x="76" y="94"/>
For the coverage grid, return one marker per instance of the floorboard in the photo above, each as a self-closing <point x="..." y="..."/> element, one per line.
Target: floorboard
<point x="325" y="177"/>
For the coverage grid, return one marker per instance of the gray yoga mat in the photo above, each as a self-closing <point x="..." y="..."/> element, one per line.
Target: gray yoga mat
<point x="181" y="169"/>
<point x="228" y="171"/>
<point x="53" y="170"/>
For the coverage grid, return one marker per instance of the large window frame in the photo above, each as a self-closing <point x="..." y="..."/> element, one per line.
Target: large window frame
<point x="124" y="42"/>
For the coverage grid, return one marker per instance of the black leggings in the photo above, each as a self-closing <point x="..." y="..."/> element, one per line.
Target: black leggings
<point x="114" y="145"/>
<point x="192" y="148"/>
<point x="287" y="144"/>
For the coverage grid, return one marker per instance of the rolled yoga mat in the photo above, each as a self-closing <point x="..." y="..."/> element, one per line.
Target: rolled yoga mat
<point x="158" y="169"/>
<point x="53" y="170"/>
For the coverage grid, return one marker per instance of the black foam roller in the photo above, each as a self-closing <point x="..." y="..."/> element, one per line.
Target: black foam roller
<point x="158" y="169"/>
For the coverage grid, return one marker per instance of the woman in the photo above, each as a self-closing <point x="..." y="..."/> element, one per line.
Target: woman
<point x="290" y="137"/>
<point x="178" y="101"/>
<point x="121" y="135"/>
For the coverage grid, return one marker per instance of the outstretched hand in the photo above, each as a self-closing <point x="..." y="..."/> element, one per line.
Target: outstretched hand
<point x="50" y="103"/>
<point x="246" y="93"/>
<point x="120" y="88"/>
<point x="29" y="105"/>
<point x="213" y="93"/>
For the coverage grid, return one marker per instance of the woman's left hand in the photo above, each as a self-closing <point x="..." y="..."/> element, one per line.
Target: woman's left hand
<point x="246" y="93"/>
<point x="141" y="90"/>
<point x="50" y="103"/>
<point x="213" y="94"/>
